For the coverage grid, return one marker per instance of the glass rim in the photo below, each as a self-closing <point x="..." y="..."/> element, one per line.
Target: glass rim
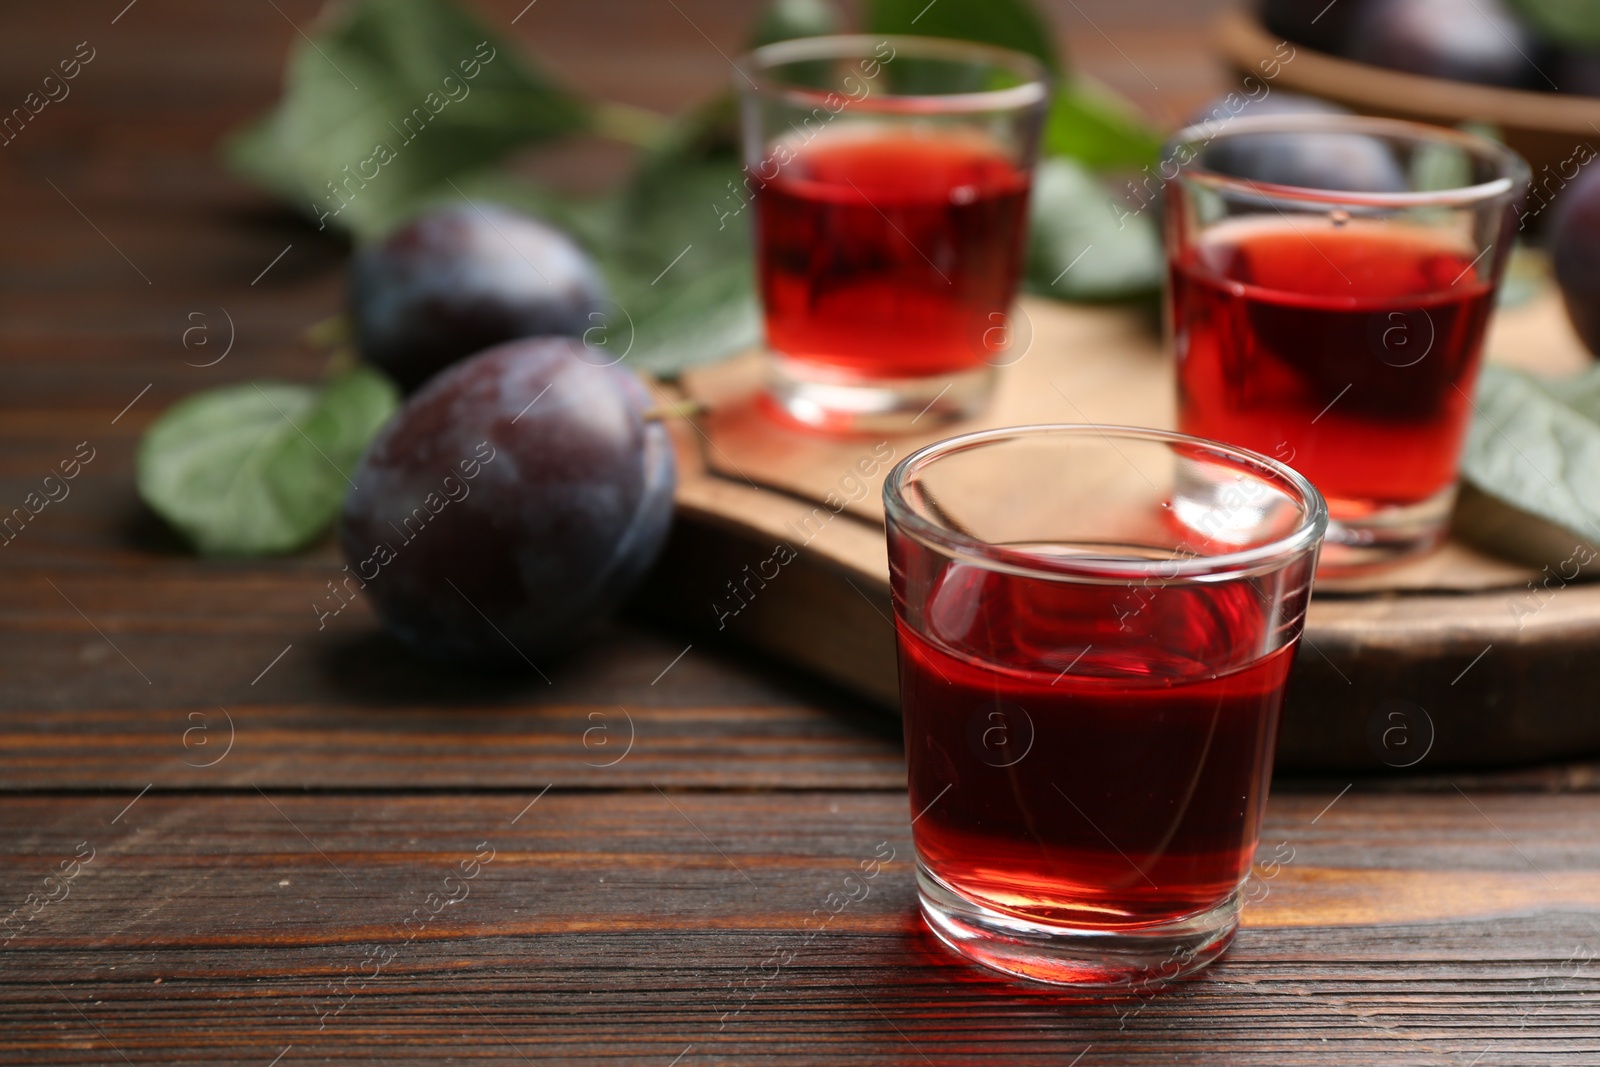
<point x="1305" y="537"/>
<point x="753" y="68"/>
<point x="1512" y="168"/>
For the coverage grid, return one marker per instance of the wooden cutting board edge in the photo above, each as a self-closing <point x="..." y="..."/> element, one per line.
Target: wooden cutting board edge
<point x="1501" y="675"/>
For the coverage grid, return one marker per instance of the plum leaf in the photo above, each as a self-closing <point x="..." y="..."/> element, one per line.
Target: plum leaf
<point x="260" y="468"/>
<point x="1083" y="243"/>
<point x="1535" y="444"/>
<point x="1010" y="24"/>
<point x="388" y="101"/>
<point x="680" y="257"/>
<point x="784" y="20"/>
<point x="1096" y="126"/>
<point x="687" y="199"/>
<point x="1574" y="23"/>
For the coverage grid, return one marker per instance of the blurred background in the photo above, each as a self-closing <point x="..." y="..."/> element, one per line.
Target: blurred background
<point x="136" y="137"/>
<point x="141" y="267"/>
<point x="118" y="188"/>
<point x="175" y="76"/>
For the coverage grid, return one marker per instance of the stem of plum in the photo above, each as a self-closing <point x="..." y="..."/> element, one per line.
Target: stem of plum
<point x="683" y="409"/>
<point x="335" y="331"/>
<point x="334" y="337"/>
<point x="637" y="126"/>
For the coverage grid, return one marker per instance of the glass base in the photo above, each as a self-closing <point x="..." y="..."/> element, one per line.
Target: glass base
<point x="1131" y="960"/>
<point x="1363" y="538"/>
<point x="820" y="397"/>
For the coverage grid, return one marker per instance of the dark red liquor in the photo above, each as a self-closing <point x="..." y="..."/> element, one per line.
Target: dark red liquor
<point x="1091" y="756"/>
<point x="894" y="255"/>
<point x="1348" y="351"/>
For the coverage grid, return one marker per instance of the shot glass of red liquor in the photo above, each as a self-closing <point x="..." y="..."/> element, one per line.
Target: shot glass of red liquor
<point x="889" y="178"/>
<point x="1339" y="328"/>
<point x="1095" y="625"/>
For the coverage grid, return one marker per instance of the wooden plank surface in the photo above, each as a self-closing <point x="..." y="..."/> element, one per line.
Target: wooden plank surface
<point x="1409" y="634"/>
<point x="1544" y="127"/>
<point x="237" y="896"/>
<point x="629" y="927"/>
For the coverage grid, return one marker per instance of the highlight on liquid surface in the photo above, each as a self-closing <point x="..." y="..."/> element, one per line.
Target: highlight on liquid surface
<point x="891" y="253"/>
<point x="1092" y="756"/>
<point x="1348" y="351"/>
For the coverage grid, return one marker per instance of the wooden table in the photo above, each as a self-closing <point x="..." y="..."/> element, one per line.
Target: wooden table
<point x="282" y="844"/>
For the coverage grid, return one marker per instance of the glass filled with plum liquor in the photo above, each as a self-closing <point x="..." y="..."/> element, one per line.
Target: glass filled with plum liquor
<point x="1331" y="281"/>
<point x="889" y="179"/>
<point x="1095" y="626"/>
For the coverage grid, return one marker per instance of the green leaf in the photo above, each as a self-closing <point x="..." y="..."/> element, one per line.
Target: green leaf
<point x="1087" y="121"/>
<point x="784" y="20"/>
<point x="681" y="260"/>
<point x="1084" y="244"/>
<point x="685" y="196"/>
<point x="1568" y="23"/>
<point x="260" y="468"/>
<point x="389" y="101"/>
<point x="1097" y="127"/>
<point x="1008" y="23"/>
<point x="688" y="197"/>
<point x="705" y="309"/>
<point x="1535" y="444"/>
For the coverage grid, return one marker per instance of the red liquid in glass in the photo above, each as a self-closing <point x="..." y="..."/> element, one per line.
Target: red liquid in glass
<point x="1348" y="352"/>
<point x="1079" y="765"/>
<point x="894" y="256"/>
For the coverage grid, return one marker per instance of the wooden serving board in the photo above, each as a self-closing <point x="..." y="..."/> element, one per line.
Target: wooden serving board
<point x="780" y="545"/>
<point x="1546" y="128"/>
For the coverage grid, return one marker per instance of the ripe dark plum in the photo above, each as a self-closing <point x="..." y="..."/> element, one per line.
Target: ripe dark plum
<point x="1467" y="40"/>
<point x="1314" y="160"/>
<point x="511" y="502"/>
<point x="1575" y="254"/>
<point x="1313" y="23"/>
<point x="455" y="280"/>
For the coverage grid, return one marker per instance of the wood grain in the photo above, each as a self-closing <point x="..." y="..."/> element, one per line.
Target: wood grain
<point x="663" y="920"/>
<point x="1544" y="127"/>
<point x="1411" y="634"/>
<point x="215" y="923"/>
<point x="346" y="706"/>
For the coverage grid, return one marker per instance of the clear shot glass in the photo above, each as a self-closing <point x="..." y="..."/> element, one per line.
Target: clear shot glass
<point x="1095" y="627"/>
<point x="890" y="178"/>
<point x="1332" y="278"/>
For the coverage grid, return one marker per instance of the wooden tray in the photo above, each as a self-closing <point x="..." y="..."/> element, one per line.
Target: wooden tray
<point x="1436" y="641"/>
<point x="1546" y="128"/>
